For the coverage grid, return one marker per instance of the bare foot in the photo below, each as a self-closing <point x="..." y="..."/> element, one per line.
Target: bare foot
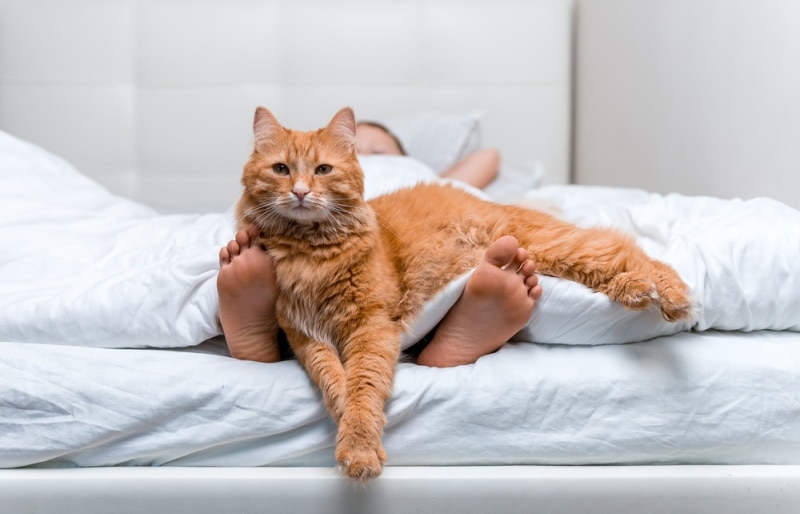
<point x="497" y="302"/>
<point x="246" y="287"/>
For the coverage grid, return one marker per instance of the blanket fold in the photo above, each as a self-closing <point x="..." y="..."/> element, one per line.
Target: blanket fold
<point x="84" y="267"/>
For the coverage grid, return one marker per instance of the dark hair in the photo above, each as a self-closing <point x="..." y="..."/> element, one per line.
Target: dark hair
<point x="383" y="127"/>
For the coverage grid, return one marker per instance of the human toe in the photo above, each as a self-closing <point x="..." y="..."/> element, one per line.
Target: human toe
<point x="224" y="256"/>
<point x="502" y="252"/>
<point x="527" y="269"/>
<point x="233" y="248"/>
<point x="244" y="238"/>
<point x="535" y="291"/>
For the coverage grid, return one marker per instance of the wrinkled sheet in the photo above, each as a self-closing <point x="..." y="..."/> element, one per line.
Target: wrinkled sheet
<point x="713" y="397"/>
<point x="85" y="274"/>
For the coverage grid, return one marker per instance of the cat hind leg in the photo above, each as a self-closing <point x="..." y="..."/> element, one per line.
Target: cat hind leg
<point x="632" y="289"/>
<point x="637" y="290"/>
<point x="673" y="295"/>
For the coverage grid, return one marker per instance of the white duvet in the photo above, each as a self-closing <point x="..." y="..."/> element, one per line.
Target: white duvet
<point x="83" y="267"/>
<point x="84" y="274"/>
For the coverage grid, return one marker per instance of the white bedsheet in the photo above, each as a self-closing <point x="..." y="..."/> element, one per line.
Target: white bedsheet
<point x="714" y="397"/>
<point x="84" y="273"/>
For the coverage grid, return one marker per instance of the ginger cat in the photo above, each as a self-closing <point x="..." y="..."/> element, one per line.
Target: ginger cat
<point x="352" y="274"/>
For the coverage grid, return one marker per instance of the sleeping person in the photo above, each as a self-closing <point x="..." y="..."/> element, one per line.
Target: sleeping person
<point x="478" y="168"/>
<point x="496" y="303"/>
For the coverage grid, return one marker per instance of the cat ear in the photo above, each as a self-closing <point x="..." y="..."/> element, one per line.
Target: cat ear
<point x="265" y="127"/>
<point x="343" y="127"/>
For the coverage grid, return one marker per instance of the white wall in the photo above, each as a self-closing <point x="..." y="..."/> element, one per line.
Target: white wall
<point x="155" y="99"/>
<point x="693" y="96"/>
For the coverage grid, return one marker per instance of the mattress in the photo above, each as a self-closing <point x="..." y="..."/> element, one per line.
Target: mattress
<point x="714" y="397"/>
<point x="112" y="356"/>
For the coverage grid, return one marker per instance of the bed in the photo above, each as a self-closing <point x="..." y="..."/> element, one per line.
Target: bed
<point x="117" y="393"/>
<point x="112" y="356"/>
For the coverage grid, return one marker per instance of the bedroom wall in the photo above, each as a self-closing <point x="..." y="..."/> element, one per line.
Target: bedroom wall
<point x="155" y="99"/>
<point x="699" y="97"/>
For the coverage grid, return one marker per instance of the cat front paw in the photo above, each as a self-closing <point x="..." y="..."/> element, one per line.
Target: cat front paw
<point x="359" y="451"/>
<point x="362" y="464"/>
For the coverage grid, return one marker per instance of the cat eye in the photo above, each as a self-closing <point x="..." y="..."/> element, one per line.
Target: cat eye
<point x="324" y="169"/>
<point x="280" y="169"/>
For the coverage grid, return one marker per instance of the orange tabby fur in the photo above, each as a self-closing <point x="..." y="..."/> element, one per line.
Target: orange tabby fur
<point x="352" y="274"/>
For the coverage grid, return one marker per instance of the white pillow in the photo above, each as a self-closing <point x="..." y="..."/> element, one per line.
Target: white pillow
<point x="437" y="139"/>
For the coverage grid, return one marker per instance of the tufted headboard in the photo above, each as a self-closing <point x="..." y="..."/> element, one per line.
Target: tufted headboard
<point x="155" y="98"/>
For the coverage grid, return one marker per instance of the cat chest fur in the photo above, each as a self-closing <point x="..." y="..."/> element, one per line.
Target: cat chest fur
<point x="326" y="298"/>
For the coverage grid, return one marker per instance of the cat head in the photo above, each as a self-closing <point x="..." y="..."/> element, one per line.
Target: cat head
<point x="304" y="177"/>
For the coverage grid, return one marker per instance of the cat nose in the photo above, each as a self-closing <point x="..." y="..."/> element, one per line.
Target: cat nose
<point x="300" y="191"/>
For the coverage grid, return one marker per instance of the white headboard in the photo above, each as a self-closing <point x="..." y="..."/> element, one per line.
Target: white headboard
<point x="155" y="98"/>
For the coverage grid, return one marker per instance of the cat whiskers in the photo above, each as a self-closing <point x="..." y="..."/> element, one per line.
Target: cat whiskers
<point x="264" y="214"/>
<point x="344" y="215"/>
<point x="335" y="213"/>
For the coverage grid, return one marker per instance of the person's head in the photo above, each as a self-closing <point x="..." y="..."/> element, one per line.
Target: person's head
<point x="374" y="138"/>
